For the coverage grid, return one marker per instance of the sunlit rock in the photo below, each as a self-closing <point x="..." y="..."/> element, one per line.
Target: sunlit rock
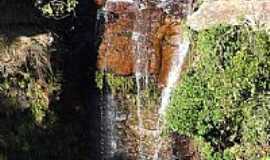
<point x="116" y="50"/>
<point x="167" y="39"/>
<point x="231" y="12"/>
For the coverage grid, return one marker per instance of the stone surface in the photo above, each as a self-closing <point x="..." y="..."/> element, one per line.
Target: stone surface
<point x="184" y="148"/>
<point x="116" y="52"/>
<point x="231" y="12"/>
<point x="100" y="2"/>
<point x="154" y="44"/>
<point x="167" y="37"/>
<point x="144" y="41"/>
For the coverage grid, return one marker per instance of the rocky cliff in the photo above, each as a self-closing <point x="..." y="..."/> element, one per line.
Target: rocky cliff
<point x="157" y="29"/>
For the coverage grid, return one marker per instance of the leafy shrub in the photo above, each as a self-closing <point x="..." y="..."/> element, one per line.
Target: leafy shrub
<point x="57" y="9"/>
<point x="223" y="100"/>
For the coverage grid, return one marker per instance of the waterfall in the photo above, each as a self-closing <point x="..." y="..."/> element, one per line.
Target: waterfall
<point x="108" y="119"/>
<point x="108" y="106"/>
<point x="141" y="56"/>
<point x="148" y="143"/>
<point x="174" y="74"/>
<point x="179" y="55"/>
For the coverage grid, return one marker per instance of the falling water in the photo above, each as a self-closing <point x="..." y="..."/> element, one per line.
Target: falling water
<point x="140" y="50"/>
<point x="174" y="74"/>
<point x="142" y="28"/>
<point x="179" y="55"/>
<point x="108" y="119"/>
<point x="109" y="137"/>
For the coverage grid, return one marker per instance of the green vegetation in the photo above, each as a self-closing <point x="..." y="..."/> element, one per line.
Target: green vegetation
<point x="124" y="91"/>
<point x="125" y="86"/>
<point x="223" y="100"/>
<point x="115" y="83"/>
<point x="57" y="9"/>
<point x="26" y="84"/>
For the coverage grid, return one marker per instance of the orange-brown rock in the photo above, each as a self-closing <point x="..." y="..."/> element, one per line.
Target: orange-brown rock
<point x="100" y="2"/>
<point x="166" y="46"/>
<point x="160" y="37"/>
<point x="120" y="7"/>
<point x="116" y="59"/>
<point x="231" y="12"/>
<point x="116" y="51"/>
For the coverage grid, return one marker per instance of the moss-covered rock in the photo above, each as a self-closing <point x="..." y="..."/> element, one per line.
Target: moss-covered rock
<point x="132" y="107"/>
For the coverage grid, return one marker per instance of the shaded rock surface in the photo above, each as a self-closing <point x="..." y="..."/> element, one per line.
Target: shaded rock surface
<point x="231" y="12"/>
<point x="184" y="148"/>
<point x="128" y="138"/>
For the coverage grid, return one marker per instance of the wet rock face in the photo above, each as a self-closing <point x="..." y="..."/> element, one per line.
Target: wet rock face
<point x="115" y="51"/>
<point x="156" y="29"/>
<point x="133" y="41"/>
<point x="131" y="140"/>
<point x="166" y="45"/>
<point x="230" y="12"/>
<point x="184" y="148"/>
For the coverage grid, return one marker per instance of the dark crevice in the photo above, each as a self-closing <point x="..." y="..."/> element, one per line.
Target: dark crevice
<point x="79" y="99"/>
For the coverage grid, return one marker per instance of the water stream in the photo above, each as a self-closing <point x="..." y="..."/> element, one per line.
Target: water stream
<point x="174" y="75"/>
<point x="108" y="106"/>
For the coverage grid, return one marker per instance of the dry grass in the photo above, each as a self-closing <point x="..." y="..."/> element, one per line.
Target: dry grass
<point x="25" y="52"/>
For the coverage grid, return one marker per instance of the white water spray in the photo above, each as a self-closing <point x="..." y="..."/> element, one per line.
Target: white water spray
<point x="174" y="73"/>
<point x="108" y="118"/>
<point x="108" y="109"/>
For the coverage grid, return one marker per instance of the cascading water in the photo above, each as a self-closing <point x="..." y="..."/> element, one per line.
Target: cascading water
<point x="108" y="119"/>
<point x="182" y="44"/>
<point x="142" y="32"/>
<point x="144" y="123"/>
<point x="140" y="53"/>
<point x="109" y="137"/>
<point x="174" y="74"/>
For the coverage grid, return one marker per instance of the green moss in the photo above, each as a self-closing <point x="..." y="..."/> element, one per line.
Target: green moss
<point x="114" y="82"/>
<point x="126" y="85"/>
<point x="223" y="99"/>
